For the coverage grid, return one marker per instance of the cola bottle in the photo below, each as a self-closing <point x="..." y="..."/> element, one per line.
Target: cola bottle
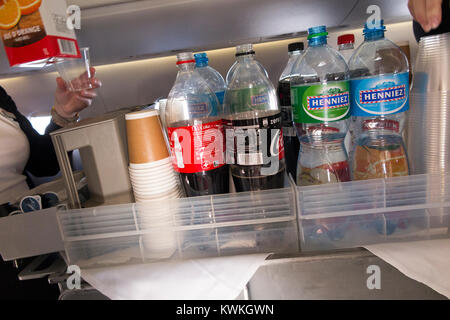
<point x="291" y="142"/>
<point x="196" y="132"/>
<point x="255" y="149"/>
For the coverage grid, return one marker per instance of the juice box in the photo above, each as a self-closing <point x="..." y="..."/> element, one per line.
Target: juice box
<point x="36" y="31"/>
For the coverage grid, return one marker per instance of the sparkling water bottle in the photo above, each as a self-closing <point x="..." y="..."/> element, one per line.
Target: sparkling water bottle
<point x="380" y="98"/>
<point x="321" y="106"/>
<point x="212" y="77"/>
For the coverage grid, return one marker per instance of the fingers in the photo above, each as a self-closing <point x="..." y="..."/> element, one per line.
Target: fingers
<point x="96" y="83"/>
<point x="434" y="13"/>
<point x="89" y="94"/>
<point x="420" y="14"/>
<point x="411" y="9"/>
<point x="61" y="84"/>
<point x="428" y="13"/>
<point x="81" y="103"/>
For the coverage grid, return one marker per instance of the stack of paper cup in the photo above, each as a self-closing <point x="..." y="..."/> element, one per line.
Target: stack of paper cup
<point x="159" y="239"/>
<point x="151" y="172"/>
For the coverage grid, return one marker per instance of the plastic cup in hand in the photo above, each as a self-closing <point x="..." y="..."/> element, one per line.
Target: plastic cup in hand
<point x="76" y="72"/>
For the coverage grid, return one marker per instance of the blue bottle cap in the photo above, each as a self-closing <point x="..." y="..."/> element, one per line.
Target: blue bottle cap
<point x="201" y="59"/>
<point x="319" y="31"/>
<point x="374" y="30"/>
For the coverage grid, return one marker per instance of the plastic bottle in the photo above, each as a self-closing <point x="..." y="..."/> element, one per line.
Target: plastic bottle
<point x="212" y="77"/>
<point x="380" y="99"/>
<point x="321" y="106"/>
<point x="346" y="45"/>
<point x="291" y="142"/>
<point x="196" y="132"/>
<point x="230" y="72"/>
<point x="255" y="150"/>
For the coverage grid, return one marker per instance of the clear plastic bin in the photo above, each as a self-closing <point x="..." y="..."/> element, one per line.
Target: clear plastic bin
<point x="357" y="213"/>
<point x="323" y="217"/>
<point x="209" y="226"/>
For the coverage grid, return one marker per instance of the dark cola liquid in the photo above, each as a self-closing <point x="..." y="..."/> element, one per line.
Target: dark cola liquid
<point x="250" y="172"/>
<point x="290" y="140"/>
<point x="204" y="183"/>
<point x="207" y="182"/>
<point x="246" y="180"/>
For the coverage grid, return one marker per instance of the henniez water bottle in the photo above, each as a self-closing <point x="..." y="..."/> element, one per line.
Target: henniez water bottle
<point x="196" y="132"/>
<point x="212" y="77"/>
<point x="380" y="98"/>
<point x="291" y="143"/>
<point x="230" y="72"/>
<point x="255" y="150"/>
<point x="320" y="100"/>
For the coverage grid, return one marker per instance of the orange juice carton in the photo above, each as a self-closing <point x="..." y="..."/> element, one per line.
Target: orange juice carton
<point x="36" y="31"/>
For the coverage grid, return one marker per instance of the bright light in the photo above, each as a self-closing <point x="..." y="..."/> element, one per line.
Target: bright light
<point x="40" y="123"/>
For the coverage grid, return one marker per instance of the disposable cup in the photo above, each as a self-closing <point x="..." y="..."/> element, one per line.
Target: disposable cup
<point x="76" y="72"/>
<point x="155" y="189"/>
<point x="166" y="195"/>
<point x="146" y="144"/>
<point x="158" y="172"/>
<point x="162" y="176"/>
<point x="145" y="190"/>
<point x="151" y="166"/>
<point x="150" y="186"/>
<point x="152" y="180"/>
<point x="139" y="198"/>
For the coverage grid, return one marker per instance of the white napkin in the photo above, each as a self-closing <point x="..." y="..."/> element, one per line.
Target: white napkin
<point x="424" y="261"/>
<point x="221" y="278"/>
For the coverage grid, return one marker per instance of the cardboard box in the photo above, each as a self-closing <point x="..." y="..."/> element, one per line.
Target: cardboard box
<point x="36" y="30"/>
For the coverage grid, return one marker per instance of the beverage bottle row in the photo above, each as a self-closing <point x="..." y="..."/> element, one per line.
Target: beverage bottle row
<point x="246" y="128"/>
<point x="215" y="129"/>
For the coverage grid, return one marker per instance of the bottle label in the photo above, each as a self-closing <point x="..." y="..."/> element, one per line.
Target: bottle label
<point x="321" y="102"/>
<point x="380" y="95"/>
<point x="197" y="148"/>
<point x="254" y="142"/>
<point x="249" y="99"/>
<point x="202" y="106"/>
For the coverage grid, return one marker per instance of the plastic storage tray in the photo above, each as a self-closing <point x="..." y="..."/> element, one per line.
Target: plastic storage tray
<point x="357" y="213"/>
<point x="207" y="226"/>
<point x="341" y="215"/>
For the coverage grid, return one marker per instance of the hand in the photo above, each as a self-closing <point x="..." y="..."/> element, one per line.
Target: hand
<point x="69" y="103"/>
<point x="428" y="13"/>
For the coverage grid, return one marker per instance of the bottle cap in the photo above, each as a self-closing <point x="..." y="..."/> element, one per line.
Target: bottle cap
<point x="201" y="59"/>
<point x="296" y="46"/>
<point x="244" y="49"/>
<point x="346" y="38"/>
<point x="377" y="27"/>
<point x="319" y="31"/>
<point x="185" y="57"/>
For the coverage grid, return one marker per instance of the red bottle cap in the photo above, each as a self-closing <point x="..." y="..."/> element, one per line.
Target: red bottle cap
<point x="346" y="38"/>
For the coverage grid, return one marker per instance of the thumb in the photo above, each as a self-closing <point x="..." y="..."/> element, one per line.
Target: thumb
<point x="61" y="84"/>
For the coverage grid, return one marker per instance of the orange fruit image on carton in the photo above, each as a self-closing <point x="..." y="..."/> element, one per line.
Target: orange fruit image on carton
<point x="29" y="6"/>
<point x="9" y="14"/>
